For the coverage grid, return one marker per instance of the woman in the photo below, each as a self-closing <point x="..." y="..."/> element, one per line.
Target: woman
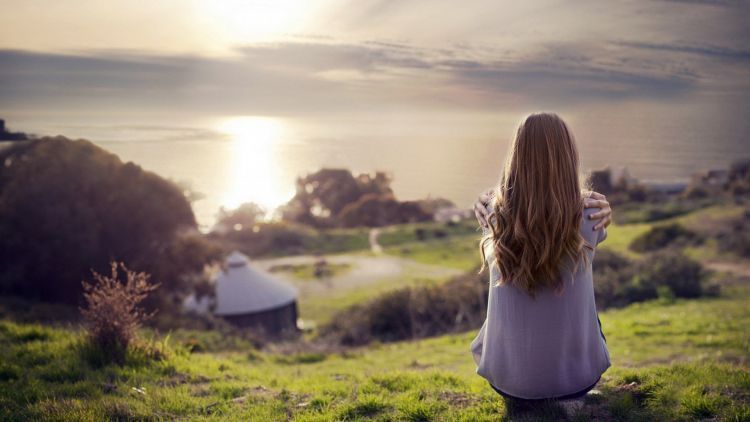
<point x="542" y="338"/>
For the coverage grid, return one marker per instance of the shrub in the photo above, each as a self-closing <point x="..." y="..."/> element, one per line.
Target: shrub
<point x="113" y="313"/>
<point x="737" y="242"/>
<point x="607" y="259"/>
<point x="282" y="238"/>
<point x="737" y="239"/>
<point x="613" y="274"/>
<point x="413" y="312"/>
<point x="619" y="281"/>
<point x="377" y="210"/>
<point x="661" y="236"/>
<point x="673" y="269"/>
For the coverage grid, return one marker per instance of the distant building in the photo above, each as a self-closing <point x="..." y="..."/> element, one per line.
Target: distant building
<point x="250" y="298"/>
<point x="452" y="214"/>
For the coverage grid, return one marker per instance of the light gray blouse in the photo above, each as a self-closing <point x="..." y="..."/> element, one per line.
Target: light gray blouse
<point x="546" y="347"/>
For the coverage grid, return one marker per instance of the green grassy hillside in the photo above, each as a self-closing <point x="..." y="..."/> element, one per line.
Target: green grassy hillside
<point x="678" y="360"/>
<point x="681" y="360"/>
<point x="461" y="249"/>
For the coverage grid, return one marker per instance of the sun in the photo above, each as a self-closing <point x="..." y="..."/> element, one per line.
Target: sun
<point x="253" y="167"/>
<point x="258" y="20"/>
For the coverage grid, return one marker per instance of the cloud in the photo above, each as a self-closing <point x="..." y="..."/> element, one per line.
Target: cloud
<point x="719" y="3"/>
<point x="318" y="75"/>
<point x="701" y="50"/>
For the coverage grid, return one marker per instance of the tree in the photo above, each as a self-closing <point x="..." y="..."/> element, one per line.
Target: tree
<point x="69" y="206"/>
<point x="246" y="215"/>
<point x="373" y="210"/>
<point x="321" y="196"/>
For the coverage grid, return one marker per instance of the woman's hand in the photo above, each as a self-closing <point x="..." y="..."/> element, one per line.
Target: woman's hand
<point x="480" y="209"/>
<point x="597" y="200"/>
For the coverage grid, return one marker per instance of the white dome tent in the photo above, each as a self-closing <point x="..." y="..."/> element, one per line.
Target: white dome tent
<point x="251" y="298"/>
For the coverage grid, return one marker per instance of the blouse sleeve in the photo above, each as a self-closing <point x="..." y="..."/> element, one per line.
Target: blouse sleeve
<point x="488" y="207"/>
<point x="601" y="235"/>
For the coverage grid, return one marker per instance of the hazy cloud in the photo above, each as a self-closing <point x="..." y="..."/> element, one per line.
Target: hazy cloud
<point x="705" y="50"/>
<point x="308" y="76"/>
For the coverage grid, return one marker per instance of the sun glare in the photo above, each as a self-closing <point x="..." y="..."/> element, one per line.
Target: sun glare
<point x="253" y="171"/>
<point x="258" y="20"/>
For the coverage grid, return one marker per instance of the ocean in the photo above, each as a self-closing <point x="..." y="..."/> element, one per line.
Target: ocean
<point x="228" y="160"/>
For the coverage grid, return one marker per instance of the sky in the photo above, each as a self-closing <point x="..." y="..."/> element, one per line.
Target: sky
<point x="333" y="57"/>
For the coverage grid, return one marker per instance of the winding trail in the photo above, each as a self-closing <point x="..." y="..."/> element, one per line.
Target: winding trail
<point x="365" y="270"/>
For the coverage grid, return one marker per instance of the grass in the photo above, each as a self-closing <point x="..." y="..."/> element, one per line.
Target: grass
<point x="460" y="252"/>
<point x="338" y="241"/>
<point x="678" y="360"/>
<point x="620" y="236"/>
<point x="638" y="212"/>
<point x="418" y="232"/>
<point x="682" y="360"/>
<point x="460" y="249"/>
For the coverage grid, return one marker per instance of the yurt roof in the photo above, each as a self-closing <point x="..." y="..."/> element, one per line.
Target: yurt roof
<point x="242" y="289"/>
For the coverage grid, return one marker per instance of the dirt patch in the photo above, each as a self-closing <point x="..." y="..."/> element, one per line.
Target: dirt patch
<point x="175" y="380"/>
<point x="457" y="399"/>
<point x="740" y="270"/>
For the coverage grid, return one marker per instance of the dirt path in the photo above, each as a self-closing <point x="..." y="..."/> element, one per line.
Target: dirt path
<point x="737" y="268"/>
<point x="364" y="270"/>
<point x="374" y="245"/>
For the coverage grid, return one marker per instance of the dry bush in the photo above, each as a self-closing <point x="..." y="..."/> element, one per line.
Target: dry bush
<point x="113" y="313"/>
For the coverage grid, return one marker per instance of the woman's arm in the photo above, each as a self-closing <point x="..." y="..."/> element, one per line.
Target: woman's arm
<point x="595" y="200"/>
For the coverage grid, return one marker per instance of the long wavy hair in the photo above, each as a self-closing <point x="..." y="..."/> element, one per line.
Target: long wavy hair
<point x="538" y="207"/>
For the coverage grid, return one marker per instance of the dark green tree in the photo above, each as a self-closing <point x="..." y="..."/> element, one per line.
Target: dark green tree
<point x="67" y="207"/>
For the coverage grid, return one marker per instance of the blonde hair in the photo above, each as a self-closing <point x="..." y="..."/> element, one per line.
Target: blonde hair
<point x="538" y="207"/>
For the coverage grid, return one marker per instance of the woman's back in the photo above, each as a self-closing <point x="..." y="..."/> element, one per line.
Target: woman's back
<point x="547" y="346"/>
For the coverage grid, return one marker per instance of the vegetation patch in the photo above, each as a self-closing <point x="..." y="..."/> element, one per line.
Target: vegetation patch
<point x="413" y="312"/>
<point x="668" y="274"/>
<point x="665" y="367"/>
<point x="301" y="358"/>
<point x="113" y="313"/>
<point x="662" y="236"/>
<point x="736" y="238"/>
<point x="640" y="212"/>
<point x="460" y="252"/>
<point x="364" y="407"/>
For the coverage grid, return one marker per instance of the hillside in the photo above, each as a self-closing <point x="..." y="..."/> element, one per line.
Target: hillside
<point x="681" y="360"/>
<point x="672" y="359"/>
<point x="444" y="251"/>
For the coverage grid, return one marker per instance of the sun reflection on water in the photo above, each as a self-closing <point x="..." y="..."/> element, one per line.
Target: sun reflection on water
<point x="254" y="168"/>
